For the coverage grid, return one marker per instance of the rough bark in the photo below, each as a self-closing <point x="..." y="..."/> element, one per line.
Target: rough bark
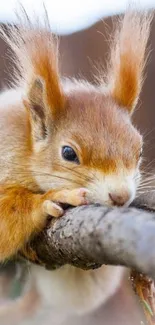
<point x="89" y="236"/>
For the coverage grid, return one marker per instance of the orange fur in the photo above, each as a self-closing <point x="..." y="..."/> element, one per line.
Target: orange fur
<point x="35" y="51"/>
<point x="24" y="213"/>
<point x="128" y="58"/>
<point x="42" y="113"/>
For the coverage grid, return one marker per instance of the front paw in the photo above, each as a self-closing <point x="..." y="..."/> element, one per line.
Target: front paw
<point x="52" y="209"/>
<point x="43" y="208"/>
<point x="48" y="203"/>
<point x="74" y="197"/>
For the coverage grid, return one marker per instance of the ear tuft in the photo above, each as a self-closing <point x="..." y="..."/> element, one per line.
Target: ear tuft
<point x="35" y="52"/>
<point x="36" y="57"/>
<point x="128" y="57"/>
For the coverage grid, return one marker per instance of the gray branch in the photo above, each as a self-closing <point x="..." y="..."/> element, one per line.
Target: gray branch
<point x="89" y="236"/>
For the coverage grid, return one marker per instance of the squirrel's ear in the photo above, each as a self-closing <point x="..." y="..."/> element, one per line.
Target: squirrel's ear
<point x="43" y="106"/>
<point x="128" y="57"/>
<point x="37" y="110"/>
<point x="36" y="54"/>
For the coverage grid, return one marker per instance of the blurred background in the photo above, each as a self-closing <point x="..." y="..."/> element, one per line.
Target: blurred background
<point x="84" y="27"/>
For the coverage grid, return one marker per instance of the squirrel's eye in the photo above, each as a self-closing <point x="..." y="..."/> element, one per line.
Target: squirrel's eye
<point x="69" y="154"/>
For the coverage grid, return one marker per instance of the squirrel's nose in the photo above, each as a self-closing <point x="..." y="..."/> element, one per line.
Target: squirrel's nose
<point x="119" y="199"/>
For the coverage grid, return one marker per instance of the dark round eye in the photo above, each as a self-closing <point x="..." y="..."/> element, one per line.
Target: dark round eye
<point x="69" y="154"/>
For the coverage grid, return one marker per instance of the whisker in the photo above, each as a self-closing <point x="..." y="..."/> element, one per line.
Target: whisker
<point x="72" y="170"/>
<point x="147" y="182"/>
<point x="51" y="175"/>
<point x="148" y="133"/>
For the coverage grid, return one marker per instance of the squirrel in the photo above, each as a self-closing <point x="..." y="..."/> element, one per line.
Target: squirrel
<point x="66" y="141"/>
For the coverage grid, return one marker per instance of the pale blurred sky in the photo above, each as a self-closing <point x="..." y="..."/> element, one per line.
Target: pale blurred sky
<point x="68" y="16"/>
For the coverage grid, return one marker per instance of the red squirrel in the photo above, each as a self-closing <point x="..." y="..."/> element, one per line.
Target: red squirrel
<point x="68" y="141"/>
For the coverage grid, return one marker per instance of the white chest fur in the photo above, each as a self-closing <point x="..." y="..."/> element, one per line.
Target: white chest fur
<point x="74" y="291"/>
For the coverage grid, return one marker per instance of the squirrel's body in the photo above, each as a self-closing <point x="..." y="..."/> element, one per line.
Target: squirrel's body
<point x="14" y="132"/>
<point x="68" y="141"/>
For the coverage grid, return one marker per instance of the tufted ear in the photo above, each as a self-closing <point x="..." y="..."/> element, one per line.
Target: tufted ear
<point x="42" y="109"/>
<point x="37" y="111"/>
<point x="35" y="51"/>
<point x="128" y="57"/>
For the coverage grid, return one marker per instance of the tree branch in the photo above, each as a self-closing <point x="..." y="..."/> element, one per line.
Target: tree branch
<point x="90" y="236"/>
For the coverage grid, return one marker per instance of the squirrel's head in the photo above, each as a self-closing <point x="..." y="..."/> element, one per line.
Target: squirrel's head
<point x="82" y="135"/>
<point x="91" y="143"/>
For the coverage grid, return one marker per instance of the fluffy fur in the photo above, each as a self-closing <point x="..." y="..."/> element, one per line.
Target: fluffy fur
<point x="43" y="113"/>
<point x="128" y="58"/>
